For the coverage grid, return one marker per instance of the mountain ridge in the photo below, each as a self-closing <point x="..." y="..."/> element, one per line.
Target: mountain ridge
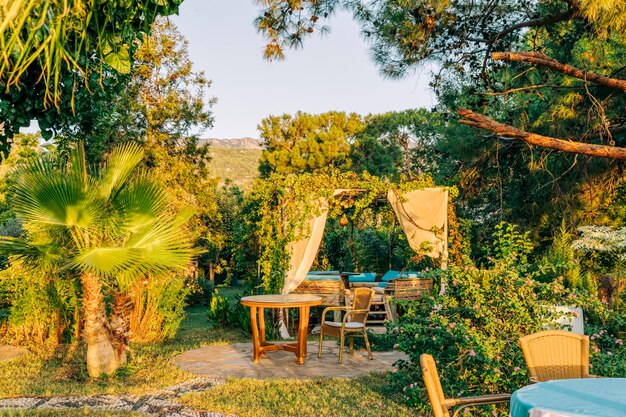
<point x="235" y="143"/>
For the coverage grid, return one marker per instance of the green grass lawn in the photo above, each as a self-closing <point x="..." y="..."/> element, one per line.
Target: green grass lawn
<point x="150" y="369"/>
<point x="368" y="396"/>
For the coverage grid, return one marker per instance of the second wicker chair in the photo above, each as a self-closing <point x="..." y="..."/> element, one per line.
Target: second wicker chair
<point x="556" y="354"/>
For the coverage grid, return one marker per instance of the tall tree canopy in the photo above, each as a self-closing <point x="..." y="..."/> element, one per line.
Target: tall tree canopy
<point x="470" y="37"/>
<point x="306" y="143"/>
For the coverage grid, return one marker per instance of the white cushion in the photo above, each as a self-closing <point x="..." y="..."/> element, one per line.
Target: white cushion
<point x="379" y="290"/>
<point x="349" y="325"/>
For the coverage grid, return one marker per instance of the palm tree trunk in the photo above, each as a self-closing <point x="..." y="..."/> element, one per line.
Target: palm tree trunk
<point x="101" y="356"/>
<point x="120" y="325"/>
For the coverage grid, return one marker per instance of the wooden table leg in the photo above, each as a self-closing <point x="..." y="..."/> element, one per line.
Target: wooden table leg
<point x="303" y="327"/>
<point x="255" y="334"/>
<point x="262" y="324"/>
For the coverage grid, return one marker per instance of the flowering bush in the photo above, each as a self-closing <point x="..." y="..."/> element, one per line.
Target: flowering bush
<point x="473" y="330"/>
<point x="608" y="353"/>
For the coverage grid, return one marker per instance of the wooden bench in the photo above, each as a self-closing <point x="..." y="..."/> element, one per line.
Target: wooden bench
<point x="407" y="289"/>
<point x="331" y="291"/>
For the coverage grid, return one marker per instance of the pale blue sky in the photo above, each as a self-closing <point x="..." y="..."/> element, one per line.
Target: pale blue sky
<point x="333" y="72"/>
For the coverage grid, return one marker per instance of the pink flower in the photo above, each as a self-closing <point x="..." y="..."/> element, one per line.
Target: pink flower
<point x="517" y="368"/>
<point x="619" y="341"/>
<point x="472" y="353"/>
<point x="452" y="325"/>
<point x="575" y="313"/>
<point x="454" y="282"/>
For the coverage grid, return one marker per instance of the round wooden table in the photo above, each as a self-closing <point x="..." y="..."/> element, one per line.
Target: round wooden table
<point x="258" y="304"/>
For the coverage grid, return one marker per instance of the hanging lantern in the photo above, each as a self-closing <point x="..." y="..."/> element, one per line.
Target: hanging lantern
<point x="343" y="222"/>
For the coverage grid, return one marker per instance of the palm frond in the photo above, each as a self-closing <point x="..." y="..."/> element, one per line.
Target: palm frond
<point x="161" y="246"/>
<point x="44" y="194"/>
<point x="43" y="254"/>
<point x="118" y="167"/>
<point x="140" y="203"/>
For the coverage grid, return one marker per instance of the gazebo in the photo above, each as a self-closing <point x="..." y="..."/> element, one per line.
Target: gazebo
<point x="422" y="214"/>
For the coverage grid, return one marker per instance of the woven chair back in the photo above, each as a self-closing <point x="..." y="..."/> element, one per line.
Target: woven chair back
<point x="363" y="298"/>
<point x="433" y="385"/>
<point x="556" y="354"/>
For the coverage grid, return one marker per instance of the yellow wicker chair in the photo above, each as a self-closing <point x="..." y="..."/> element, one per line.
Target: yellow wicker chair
<point x="556" y="354"/>
<point x="353" y="323"/>
<point x="442" y="405"/>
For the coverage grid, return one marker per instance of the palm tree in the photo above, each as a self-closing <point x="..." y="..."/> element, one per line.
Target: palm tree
<point x="107" y="228"/>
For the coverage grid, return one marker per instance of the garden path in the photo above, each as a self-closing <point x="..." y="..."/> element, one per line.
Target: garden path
<point x="235" y="361"/>
<point x="161" y="404"/>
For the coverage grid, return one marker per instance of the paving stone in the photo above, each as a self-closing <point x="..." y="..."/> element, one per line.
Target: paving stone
<point x="161" y="404"/>
<point x="235" y="361"/>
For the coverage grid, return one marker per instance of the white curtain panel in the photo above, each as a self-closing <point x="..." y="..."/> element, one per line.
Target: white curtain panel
<point x="423" y="215"/>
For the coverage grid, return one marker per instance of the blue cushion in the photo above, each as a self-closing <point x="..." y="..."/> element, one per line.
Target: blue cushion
<point x="315" y="277"/>
<point x="389" y="275"/>
<point x="322" y="272"/>
<point x="363" y="277"/>
<point x="382" y="284"/>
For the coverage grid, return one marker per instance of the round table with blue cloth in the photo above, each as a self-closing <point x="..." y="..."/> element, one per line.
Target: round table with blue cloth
<point x="598" y="397"/>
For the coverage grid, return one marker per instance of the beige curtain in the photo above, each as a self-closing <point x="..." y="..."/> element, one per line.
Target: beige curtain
<point x="423" y="215"/>
<point x="304" y="251"/>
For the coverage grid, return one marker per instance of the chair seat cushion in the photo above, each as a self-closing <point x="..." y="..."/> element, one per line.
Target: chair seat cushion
<point x="379" y="290"/>
<point x="349" y="325"/>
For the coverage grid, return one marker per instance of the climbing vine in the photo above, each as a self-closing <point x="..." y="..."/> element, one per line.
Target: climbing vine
<point x="279" y="206"/>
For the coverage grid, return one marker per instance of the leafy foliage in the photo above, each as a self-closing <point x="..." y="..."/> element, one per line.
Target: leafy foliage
<point x="307" y="143"/>
<point x="276" y="211"/>
<point x="116" y="224"/>
<point x="61" y="37"/>
<point x="473" y="329"/>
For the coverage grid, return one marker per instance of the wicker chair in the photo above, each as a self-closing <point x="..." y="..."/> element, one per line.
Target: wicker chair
<point x="556" y="354"/>
<point x="353" y="323"/>
<point x="442" y="405"/>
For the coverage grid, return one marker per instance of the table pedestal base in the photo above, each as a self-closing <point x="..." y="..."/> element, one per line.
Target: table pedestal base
<point x="257" y="319"/>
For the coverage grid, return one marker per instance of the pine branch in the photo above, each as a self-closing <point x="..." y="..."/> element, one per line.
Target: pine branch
<point x="537" y="58"/>
<point x="471" y="118"/>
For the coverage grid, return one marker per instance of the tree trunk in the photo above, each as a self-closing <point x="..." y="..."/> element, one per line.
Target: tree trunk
<point x="101" y="355"/>
<point x="120" y="325"/>
<point x="211" y="272"/>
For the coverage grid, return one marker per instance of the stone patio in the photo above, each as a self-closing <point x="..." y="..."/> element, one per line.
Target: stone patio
<point x="235" y="361"/>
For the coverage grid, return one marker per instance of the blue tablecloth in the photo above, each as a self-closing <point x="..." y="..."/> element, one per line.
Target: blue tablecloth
<point x="597" y="397"/>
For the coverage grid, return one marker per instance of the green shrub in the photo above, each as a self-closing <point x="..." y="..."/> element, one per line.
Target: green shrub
<point x="223" y="313"/>
<point x="608" y="353"/>
<point x="200" y="290"/>
<point x="157" y="308"/>
<point x="219" y="310"/>
<point x="40" y="311"/>
<point x="473" y="330"/>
